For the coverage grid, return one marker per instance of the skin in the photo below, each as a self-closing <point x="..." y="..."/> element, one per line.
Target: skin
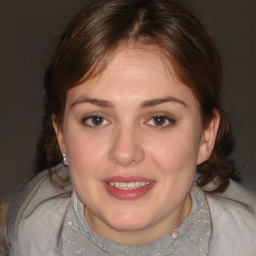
<point x="137" y="86"/>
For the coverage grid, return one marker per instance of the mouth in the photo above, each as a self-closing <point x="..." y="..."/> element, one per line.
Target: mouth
<point x="129" y="185"/>
<point x="128" y="188"/>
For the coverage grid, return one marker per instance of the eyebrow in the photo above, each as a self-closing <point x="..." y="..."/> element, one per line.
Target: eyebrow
<point x="155" y="102"/>
<point x="97" y="102"/>
<point x="145" y="104"/>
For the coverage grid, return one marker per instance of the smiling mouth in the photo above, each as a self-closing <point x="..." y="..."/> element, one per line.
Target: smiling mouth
<point x="129" y="185"/>
<point x="128" y="188"/>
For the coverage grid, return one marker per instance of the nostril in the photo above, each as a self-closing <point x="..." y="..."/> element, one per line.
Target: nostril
<point x="123" y="159"/>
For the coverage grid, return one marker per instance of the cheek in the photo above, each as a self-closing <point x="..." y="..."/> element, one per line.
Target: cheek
<point x="176" y="153"/>
<point x="84" y="152"/>
<point x="86" y="163"/>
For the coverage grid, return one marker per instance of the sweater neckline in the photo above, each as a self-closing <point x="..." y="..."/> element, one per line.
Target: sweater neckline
<point x="193" y="234"/>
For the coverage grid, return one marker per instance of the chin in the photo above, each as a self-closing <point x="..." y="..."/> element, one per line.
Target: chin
<point x="128" y="221"/>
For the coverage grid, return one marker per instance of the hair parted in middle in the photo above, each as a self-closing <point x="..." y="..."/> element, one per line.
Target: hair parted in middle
<point x="94" y="35"/>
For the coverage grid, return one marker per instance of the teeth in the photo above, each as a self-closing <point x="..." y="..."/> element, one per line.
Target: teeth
<point x="129" y="185"/>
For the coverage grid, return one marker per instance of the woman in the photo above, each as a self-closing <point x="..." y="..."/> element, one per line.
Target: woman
<point x="133" y="111"/>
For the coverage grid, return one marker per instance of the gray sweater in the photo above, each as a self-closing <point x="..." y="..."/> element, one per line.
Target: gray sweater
<point x="43" y="223"/>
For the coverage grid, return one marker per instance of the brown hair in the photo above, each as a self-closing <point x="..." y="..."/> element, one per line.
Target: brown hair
<point x="91" y="39"/>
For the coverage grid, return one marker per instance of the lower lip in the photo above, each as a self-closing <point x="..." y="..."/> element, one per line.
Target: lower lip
<point x="130" y="194"/>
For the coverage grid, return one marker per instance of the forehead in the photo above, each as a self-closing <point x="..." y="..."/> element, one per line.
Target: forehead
<point x="140" y="72"/>
<point x="137" y="58"/>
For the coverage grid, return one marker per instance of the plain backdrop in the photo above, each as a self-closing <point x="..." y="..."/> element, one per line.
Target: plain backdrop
<point x="29" y="32"/>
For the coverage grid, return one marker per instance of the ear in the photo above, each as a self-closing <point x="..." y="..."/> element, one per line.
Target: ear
<point x="60" y="136"/>
<point x="208" y="138"/>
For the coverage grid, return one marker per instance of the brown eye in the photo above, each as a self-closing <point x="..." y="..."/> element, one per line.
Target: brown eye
<point x="95" y="120"/>
<point x="159" y="120"/>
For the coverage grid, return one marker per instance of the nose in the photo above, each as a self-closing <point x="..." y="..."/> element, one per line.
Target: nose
<point x="126" y="149"/>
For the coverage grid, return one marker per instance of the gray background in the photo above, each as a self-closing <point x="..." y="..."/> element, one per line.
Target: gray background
<point x="29" y="32"/>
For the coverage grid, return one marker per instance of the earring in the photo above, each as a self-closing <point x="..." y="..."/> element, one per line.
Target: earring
<point x="65" y="159"/>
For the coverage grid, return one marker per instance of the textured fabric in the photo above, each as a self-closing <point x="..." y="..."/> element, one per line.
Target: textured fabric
<point x="37" y="216"/>
<point x="234" y="223"/>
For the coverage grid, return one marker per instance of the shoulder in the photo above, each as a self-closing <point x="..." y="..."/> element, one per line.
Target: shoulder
<point x="233" y="222"/>
<point x="35" y="216"/>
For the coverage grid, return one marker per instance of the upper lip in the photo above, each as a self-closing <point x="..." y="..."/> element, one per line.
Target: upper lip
<point x="127" y="179"/>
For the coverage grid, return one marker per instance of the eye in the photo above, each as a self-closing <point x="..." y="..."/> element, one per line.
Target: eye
<point x="161" y="121"/>
<point x="95" y="120"/>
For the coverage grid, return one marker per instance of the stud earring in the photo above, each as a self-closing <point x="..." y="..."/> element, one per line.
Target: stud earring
<point x="65" y="159"/>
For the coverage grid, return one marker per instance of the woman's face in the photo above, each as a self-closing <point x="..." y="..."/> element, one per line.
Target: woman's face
<point x="133" y="138"/>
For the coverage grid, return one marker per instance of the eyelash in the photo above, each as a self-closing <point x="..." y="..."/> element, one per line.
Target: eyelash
<point x="167" y="121"/>
<point x="90" y="119"/>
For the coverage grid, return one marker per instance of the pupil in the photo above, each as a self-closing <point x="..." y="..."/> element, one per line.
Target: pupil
<point x="159" y="120"/>
<point x="97" y="120"/>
